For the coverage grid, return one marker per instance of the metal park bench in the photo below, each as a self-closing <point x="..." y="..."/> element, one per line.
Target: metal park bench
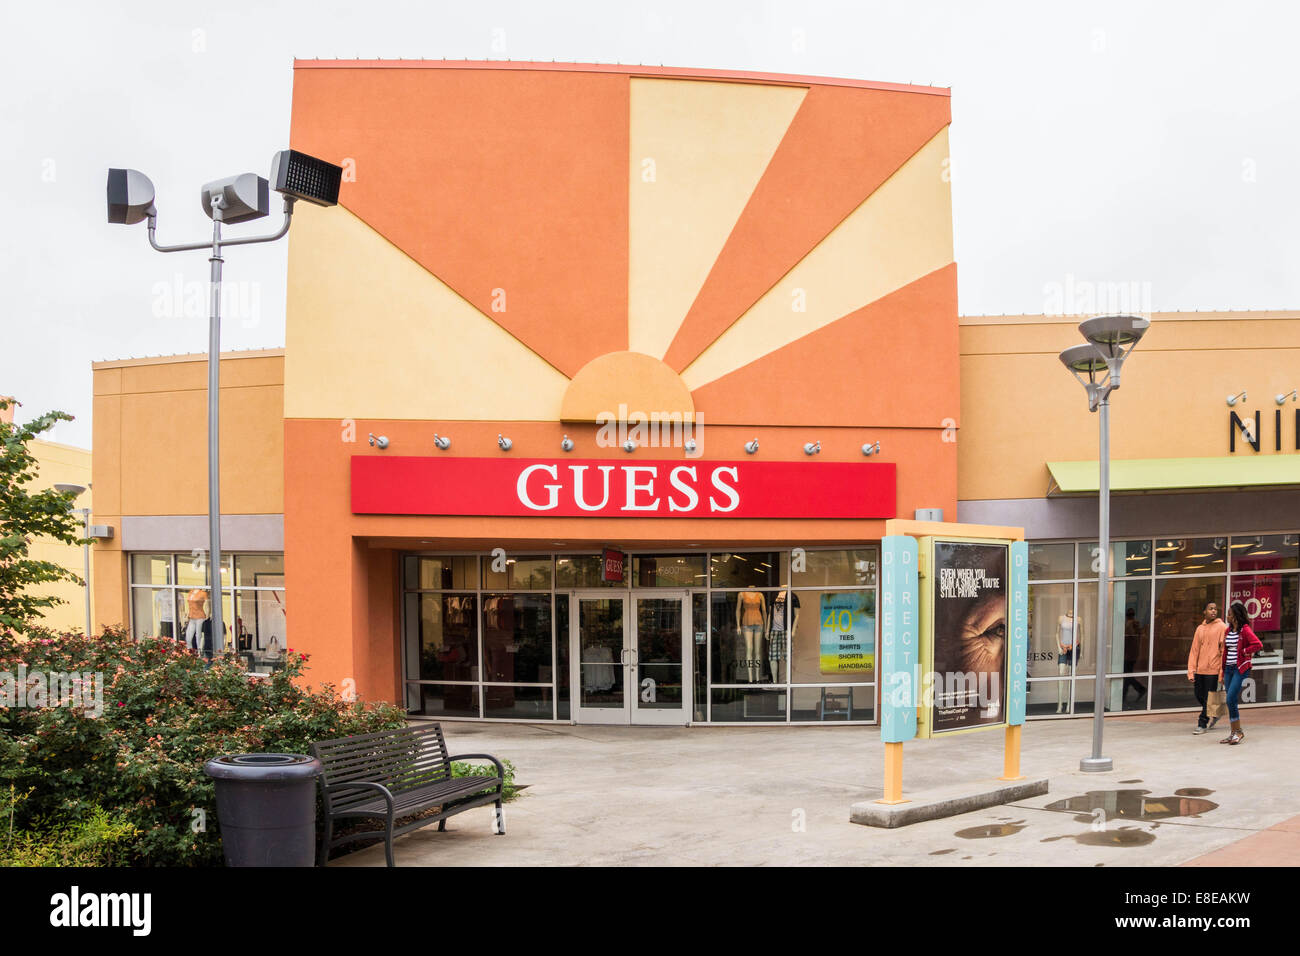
<point x="397" y="773"/>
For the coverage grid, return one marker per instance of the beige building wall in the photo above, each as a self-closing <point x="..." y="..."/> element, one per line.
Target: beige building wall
<point x="63" y="464"/>
<point x="151" y="458"/>
<point x="1022" y="409"/>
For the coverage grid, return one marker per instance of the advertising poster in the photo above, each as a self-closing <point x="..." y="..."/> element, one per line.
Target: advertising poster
<point x="969" y="675"/>
<point x="1261" y="593"/>
<point x="848" y="632"/>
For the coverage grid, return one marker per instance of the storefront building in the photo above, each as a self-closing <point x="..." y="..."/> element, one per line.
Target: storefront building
<point x="1205" y="505"/>
<point x="598" y="389"/>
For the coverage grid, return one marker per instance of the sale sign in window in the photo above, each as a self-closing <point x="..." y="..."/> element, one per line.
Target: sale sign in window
<point x="848" y="632"/>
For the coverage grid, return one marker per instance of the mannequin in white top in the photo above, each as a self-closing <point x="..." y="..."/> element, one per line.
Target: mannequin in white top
<point x="1068" y="645"/>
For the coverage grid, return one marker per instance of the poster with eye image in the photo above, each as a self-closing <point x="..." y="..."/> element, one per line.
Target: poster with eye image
<point x="968" y="673"/>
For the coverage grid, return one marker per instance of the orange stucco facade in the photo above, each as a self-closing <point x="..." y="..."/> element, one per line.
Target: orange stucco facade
<point x="688" y="242"/>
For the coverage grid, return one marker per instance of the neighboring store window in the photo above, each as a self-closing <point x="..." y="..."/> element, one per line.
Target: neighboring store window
<point x="1054" y="645"/>
<point x="1191" y="555"/>
<point x="1266" y="551"/>
<point x="1051" y="562"/>
<point x="170" y="597"/>
<point x="1159" y="590"/>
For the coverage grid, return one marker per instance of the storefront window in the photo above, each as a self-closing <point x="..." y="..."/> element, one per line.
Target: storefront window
<point x="517" y="638"/>
<point x="834" y="636"/>
<point x="833" y="703"/>
<point x="743" y="705"/>
<point x="518" y="703"/>
<point x="453" y="572"/>
<point x="192" y="569"/>
<point x="1270" y="601"/>
<point x="517" y="573"/>
<point x="1266" y="551"/>
<point x="575" y="571"/>
<point x="1180" y="608"/>
<point x="669" y="571"/>
<point x="1131" y="558"/>
<point x="442" y="636"/>
<point x="700" y="649"/>
<point x="751" y="569"/>
<point x="742" y="645"/>
<point x="151" y="569"/>
<point x="1052" y="631"/>
<point x="443" y="700"/>
<point x="847" y="568"/>
<point x="1051" y="562"/>
<point x="1191" y="555"/>
<point x="253" y="610"/>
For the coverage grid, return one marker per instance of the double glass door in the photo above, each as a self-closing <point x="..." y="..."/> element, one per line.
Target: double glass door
<point x="630" y="657"/>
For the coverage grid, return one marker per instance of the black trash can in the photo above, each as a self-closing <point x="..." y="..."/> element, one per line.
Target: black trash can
<point x="266" y="804"/>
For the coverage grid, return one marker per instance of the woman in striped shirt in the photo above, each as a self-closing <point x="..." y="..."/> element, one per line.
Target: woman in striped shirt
<point x="1238" y="645"/>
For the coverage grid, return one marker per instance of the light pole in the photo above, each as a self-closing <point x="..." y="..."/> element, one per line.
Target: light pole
<point x="75" y="491"/>
<point x="1097" y="366"/>
<point x="235" y="199"/>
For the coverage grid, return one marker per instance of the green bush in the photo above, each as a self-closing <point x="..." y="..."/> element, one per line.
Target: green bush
<point x="98" y="839"/>
<point x="139" y="764"/>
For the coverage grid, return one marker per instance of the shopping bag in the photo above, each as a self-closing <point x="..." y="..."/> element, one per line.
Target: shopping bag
<point x="1216" y="704"/>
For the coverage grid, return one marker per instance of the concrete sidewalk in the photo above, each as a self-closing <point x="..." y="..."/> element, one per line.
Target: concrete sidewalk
<point x="762" y="796"/>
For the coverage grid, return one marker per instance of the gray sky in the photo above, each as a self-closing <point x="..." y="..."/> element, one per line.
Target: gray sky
<point x="1153" y="145"/>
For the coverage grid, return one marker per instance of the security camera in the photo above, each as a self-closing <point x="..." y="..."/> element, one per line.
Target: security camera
<point x="130" y="196"/>
<point x="241" y="198"/>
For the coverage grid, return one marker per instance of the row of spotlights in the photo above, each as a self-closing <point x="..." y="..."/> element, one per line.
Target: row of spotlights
<point x="1280" y="398"/>
<point x="629" y="446"/>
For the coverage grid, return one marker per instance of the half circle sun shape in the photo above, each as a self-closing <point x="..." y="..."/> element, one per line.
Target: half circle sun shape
<point x="619" y="385"/>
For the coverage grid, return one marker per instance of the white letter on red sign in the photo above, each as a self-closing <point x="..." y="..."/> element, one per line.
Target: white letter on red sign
<point x="687" y="490"/>
<point x="578" y="471"/>
<point x="521" y="488"/>
<point x="629" y="503"/>
<point x="725" y="489"/>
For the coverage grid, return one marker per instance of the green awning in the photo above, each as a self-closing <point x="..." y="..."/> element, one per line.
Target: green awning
<point x="1176" y="474"/>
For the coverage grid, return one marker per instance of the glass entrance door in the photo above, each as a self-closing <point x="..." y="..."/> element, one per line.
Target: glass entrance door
<point x="660" y="692"/>
<point x="629" y="656"/>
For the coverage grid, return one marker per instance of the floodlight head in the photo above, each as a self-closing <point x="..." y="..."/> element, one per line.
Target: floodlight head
<point x="241" y="198"/>
<point x="68" y="488"/>
<point x="301" y="176"/>
<point x="1114" y="335"/>
<point x="130" y="196"/>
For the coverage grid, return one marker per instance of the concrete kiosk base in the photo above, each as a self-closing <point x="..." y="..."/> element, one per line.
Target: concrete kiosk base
<point x="946" y="802"/>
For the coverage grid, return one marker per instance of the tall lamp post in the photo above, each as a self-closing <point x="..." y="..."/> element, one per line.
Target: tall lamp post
<point x="235" y="199"/>
<point x="75" y="491"/>
<point x="1097" y="366"/>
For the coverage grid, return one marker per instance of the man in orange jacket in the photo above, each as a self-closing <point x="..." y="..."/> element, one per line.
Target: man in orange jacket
<point x="1205" y="662"/>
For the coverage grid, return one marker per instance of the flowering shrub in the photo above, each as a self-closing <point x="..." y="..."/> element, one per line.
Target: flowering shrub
<point x="165" y="712"/>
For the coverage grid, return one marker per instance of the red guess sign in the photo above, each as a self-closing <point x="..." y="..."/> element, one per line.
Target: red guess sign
<point x="613" y="565"/>
<point x="574" y="488"/>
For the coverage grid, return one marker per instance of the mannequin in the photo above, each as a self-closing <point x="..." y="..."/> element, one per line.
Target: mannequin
<point x="1066" y="641"/>
<point x="196" y="612"/>
<point x="778" y="643"/>
<point x="752" y="622"/>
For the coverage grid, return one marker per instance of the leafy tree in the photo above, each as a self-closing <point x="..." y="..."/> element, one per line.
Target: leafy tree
<point x="23" y="516"/>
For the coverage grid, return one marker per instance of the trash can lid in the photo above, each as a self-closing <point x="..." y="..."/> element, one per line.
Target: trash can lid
<point x="268" y="767"/>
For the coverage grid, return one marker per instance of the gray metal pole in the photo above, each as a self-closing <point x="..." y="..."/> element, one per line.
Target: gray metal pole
<point x="85" y="559"/>
<point x="214" y="439"/>
<point x="1097" y="763"/>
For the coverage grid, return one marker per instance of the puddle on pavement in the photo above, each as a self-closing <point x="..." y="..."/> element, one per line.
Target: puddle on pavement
<point x="941" y="852"/>
<point x="1135" y="805"/>
<point x="990" y="830"/>
<point x="1130" y="781"/>
<point x="1124" y="836"/>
